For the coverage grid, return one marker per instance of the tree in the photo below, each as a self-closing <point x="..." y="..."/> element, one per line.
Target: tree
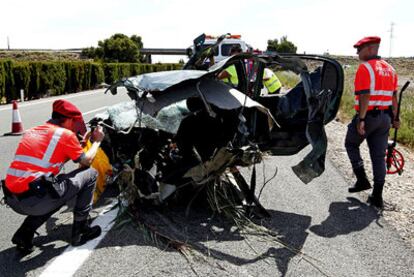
<point x="117" y="48"/>
<point x="138" y="41"/>
<point x="272" y="45"/>
<point x="284" y="46"/>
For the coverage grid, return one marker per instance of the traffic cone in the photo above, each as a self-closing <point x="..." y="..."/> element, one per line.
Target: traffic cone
<point x="17" y="126"/>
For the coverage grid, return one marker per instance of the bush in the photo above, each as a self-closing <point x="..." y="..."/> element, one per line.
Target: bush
<point x="124" y="70"/>
<point x="9" y="80"/>
<point x="2" y="83"/>
<point x="21" y="74"/>
<point x="38" y="79"/>
<point x="111" y="72"/>
<point x="97" y="74"/>
<point x="34" y="84"/>
<point x="52" y="78"/>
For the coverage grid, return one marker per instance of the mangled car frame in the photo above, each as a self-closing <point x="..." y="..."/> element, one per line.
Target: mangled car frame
<point x="186" y="130"/>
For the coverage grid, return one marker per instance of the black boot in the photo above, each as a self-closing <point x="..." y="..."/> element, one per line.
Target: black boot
<point x="23" y="238"/>
<point x="82" y="232"/>
<point x="375" y="199"/>
<point x="362" y="182"/>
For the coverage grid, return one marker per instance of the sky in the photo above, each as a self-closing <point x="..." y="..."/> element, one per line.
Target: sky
<point x="314" y="26"/>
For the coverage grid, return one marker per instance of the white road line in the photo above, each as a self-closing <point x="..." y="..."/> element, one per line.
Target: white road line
<point x="67" y="263"/>
<point x="51" y="99"/>
<point x="95" y="110"/>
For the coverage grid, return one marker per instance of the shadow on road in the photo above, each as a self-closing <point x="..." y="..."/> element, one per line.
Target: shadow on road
<point x="345" y="217"/>
<point x="292" y="231"/>
<point x="13" y="263"/>
<point x="210" y="236"/>
<point x="213" y="237"/>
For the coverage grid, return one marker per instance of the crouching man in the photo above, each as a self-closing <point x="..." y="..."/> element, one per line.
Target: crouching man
<point x="33" y="187"/>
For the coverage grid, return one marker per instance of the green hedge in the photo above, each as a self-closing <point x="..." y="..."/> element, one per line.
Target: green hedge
<point x="39" y="79"/>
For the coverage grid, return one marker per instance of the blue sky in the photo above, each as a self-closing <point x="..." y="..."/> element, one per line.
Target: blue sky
<point x="315" y="26"/>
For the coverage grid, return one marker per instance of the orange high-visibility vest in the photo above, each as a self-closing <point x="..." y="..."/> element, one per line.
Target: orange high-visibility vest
<point x="379" y="79"/>
<point x="42" y="152"/>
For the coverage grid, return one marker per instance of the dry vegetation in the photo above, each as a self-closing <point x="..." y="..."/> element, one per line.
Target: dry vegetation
<point x="38" y="56"/>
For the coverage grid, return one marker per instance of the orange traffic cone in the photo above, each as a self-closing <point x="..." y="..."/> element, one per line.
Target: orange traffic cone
<point x="17" y="126"/>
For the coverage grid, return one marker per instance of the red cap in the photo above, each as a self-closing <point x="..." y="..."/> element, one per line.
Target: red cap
<point x="367" y="40"/>
<point x="66" y="109"/>
<point x="69" y="110"/>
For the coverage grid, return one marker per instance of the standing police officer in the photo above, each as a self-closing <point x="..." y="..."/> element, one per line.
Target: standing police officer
<point x="33" y="186"/>
<point x="376" y="105"/>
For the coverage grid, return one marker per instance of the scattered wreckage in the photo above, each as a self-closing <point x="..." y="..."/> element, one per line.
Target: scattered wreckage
<point x="185" y="134"/>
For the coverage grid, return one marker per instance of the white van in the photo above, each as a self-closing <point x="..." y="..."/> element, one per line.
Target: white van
<point x="226" y="45"/>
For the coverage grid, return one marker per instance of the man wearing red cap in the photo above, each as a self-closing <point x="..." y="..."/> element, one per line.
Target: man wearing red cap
<point x="33" y="185"/>
<point x="375" y="104"/>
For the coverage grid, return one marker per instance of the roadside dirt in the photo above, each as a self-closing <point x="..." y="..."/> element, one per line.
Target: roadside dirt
<point x="399" y="189"/>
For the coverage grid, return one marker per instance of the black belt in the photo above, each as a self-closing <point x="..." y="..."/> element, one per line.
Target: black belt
<point x="19" y="196"/>
<point x="39" y="187"/>
<point x="376" y="111"/>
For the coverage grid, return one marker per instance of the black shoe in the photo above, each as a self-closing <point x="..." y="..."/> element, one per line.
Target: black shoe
<point x="360" y="185"/>
<point x="362" y="182"/>
<point x="23" y="239"/>
<point x="376" y="201"/>
<point x="82" y="232"/>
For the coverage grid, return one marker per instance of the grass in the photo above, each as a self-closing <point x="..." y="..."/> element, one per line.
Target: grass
<point x="288" y="78"/>
<point x="38" y="56"/>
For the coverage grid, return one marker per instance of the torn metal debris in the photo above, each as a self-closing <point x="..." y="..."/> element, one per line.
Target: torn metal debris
<point x="184" y="130"/>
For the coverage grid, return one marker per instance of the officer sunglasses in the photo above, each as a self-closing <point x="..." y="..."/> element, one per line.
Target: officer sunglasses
<point x="360" y="48"/>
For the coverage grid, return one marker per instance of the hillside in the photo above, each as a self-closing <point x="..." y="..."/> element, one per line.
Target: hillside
<point x="38" y="56"/>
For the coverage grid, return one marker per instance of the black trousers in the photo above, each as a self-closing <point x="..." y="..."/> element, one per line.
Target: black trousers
<point x="79" y="184"/>
<point x="377" y="128"/>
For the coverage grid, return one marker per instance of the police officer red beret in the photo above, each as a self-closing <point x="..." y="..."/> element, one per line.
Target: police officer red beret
<point x="67" y="109"/>
<point x="367" y="40"/>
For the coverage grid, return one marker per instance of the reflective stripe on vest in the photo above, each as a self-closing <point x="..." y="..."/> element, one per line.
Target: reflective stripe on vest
<point x="24" y="174"/>
<point x="380" y="99"/>
<point x="45" y="161"/>
<point x="273" y="84"/>
<point x="21" y="178"/>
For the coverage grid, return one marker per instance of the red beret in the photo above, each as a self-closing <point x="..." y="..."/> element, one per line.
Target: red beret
<point x="367" y="40"/>
<point x="66" y="109"/>
<point x="69" y="110"/>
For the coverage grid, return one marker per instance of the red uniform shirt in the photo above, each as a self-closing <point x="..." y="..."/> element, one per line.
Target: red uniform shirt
<point x="42" y="151"/>
<point x="377" y="78"/>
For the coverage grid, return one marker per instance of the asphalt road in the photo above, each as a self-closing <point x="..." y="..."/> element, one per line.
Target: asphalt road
<point x="324" y="230"/>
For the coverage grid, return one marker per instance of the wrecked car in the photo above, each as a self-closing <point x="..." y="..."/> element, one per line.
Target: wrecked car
<point x="185" y="130"/>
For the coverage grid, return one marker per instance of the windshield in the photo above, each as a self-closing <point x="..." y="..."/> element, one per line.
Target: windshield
<point x="204" y="46"/>
<point x="225" y="48"/>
